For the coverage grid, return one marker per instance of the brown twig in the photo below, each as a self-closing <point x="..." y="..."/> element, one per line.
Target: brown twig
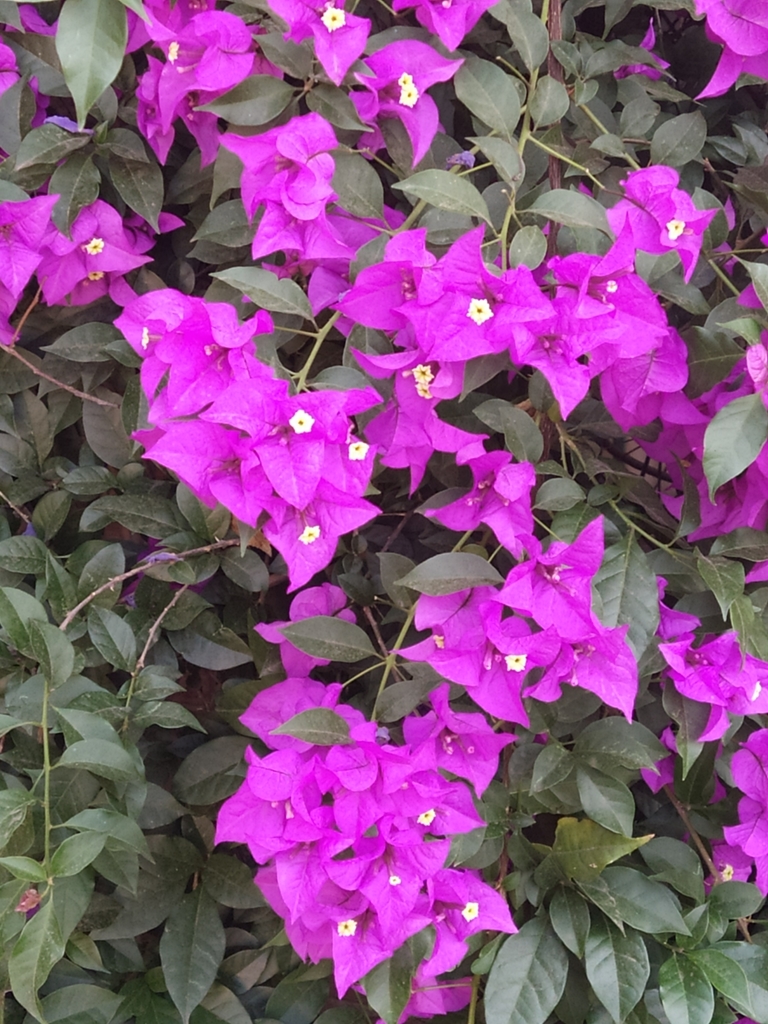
<point x="59" y="383"/>
<point x="698" y="842"/>
<point x="19" y="512"/>
<point x="380" y="640"/>
<point x="397" y="531"/>
<point x="142" y="567"/>
<point x="25" y="314"/>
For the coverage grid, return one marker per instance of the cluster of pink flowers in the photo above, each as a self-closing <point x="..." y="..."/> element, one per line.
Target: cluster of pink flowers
<point x="353" y="837"/>
<point x="742" y="28"/>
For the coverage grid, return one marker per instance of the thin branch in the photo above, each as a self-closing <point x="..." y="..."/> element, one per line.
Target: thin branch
<point x="380" y="640"/>
<point x="19" y="512"/>
<point x="59" y="383"/>
<point x="25" y="314"/>
<point x="141" y="568"/>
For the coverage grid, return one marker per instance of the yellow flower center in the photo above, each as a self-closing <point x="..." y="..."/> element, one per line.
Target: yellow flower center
<point x="515" y="662"/>
<point x="347" y="927"/>
<point x="395" y="880"/>
<point x="675" y="228"/>
<point x="358" y="451"/>
<point x="427" y="817"/>
<point x="301" y="422"/>
<point x="95" y="275"/>
<point x="94" y="247"/>
<point x="309" y="534"/>
<point x="173" y="51"/>
<point x="727" y="872"/>
<point x="409" y="94"/>
<point x="439" y="641"/>
<point x="470" y="911"/>
<point x="145" y="337"/>
<point x="423" y="376"/>
<point x="480" y="311"/>
<point x="333" y="18"/>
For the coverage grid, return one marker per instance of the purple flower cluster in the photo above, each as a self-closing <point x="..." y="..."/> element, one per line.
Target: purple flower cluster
<point x="353" y="838"/>
<point x="742" y="27"/>
<point x="749" y="839"/>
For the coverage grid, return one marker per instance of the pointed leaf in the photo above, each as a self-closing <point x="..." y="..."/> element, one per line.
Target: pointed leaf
<point x="528" y="976"/>
<point x="39" y="947"/>
<point x="191" y="949"/>
<point x="450" y="572"/>
<point x="320" y="726"/>
<point x="617" y="967"/>
<point x="734" y="439"/>
<point x="90" y="40"/>
<point x="324" y="636"/>
<point x="686" y="993"/>
<point x="446" y="191"/>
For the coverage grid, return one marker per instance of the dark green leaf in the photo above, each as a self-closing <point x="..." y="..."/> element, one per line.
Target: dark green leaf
<point x="24" y="868"/>
<point x="76" y="853"/>
<point x="736" y="899"/>
<point x="77" y="184"/>
<point x="679" y="140"/>
<point x="320" y="726"/>
<point x="47" y="144"/>
<point x="558" y="495"/>
<point x="528" y="34"/>
<point x="606" y="800"/>
<point x="584" y="848"/>
<point x="388" y="986"/>
<point x="629" y="743"/>
<point x="528" y="249"/>
<point x="334" y="105"/>
<point x="446" y="191"/>
<point x="255" y="101"/>
<point x="733" y="440"/>
<point x="686" y="994"/>
<point x="522" y="436"/>
<point x="675" y="863"/>
<point x="324" y="636"/>
<point x="450" y="572"/>
<point x="629" y="592"/>
<point x="549" y="102"/>
<point x="191" y="949"/>
<point x="212" y="772"/>
<point x="280" y="295"/>
<point x="247" y="570"/>
<point x="642" y="903"/>
<point x="724" y="577"/>
<point x="574" y="209"/>
<point x="113" y="638"/>
<point x="357" y="185"/>
<point x="489" y="93"/>
<point x="724" y="974"/>
<point x="54" y="652"/>
<point x="90" y="40"/>
<point x="102" y="758"/>
<point x="140" y="185"/>
<point x="527" y="977"/>
<point x="38" y="948"/>
<point x="152" y="516"/>
<point x="26" y="555"/>
<point x="617" y="967"/>
<point x="569" y="915"/>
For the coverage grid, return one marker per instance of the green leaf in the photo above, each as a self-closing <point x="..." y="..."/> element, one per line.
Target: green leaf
<point x="758" y="272"/>
<point x="675" y="863"/>
<point x="121" y="830"/>
<point x="17" y="610"/>
<point x="76" y="853"/>
<point x="24" y="868"/>
<point x="606" y="800"/>
<point x="39" y="947"/>
<point x="324" y="636"/>
<point x="528" y="249"/>
<point x="191" y="949"/>
<point x="154" y="517"/>
<point x="724" y="974"/>
<point x="617" y="967"/>
<point x="528" y="34"/>
<point x="573" y="209"/>
<point x="90" y="41"/>
<point x="400" y="699"/>
<point x="711" y="357"/>
<point x="14" y="805"/>
<point x="54" y="652"/>
<point x="113" y="638"/>
<point x="255" y="101"/>
<point x="77" y="183"/>
<point x="27" y="555"/>
<point x="86" y="344"/>
<point x="679" y="140"/>
<point x="691" y="717"/>
<point x="229" y="881"/>
<point x="101" y="757"/>
<point x="644" y="904"/>
<point x="686" y="994"/>
<point x="212" y="771"/>
<point x="139" y="184"/>
<point x="489" y="93"/>
<point x="81" y="1004"/>
<point x="504" y="157"/>
<point x="629" y="592"/>
<point x="388" y="986"/>
<point x="549" y="103"/>
<point x="446" y="191"/>
<point x="521" y="435"/>
<point x="558" y="495"/>
<point x="584" y="848"/>
<point x="724" y="577"/>
<point x="733" y="440"/>
<point x="357" y="185"/>
<point x="552" y="766"/>
<point x="47" y="144"/>
<point x="335" y="106"/>
<point x="528" y="976"/>
<point x="449" y="572"/>
<point x="569" y="915"/>
<point x="247" y="570"/>
<point x="630" y="744"/>
<point x="320" y="726"/>
<point x="736" y="899"/>
<point x="279" y="295"/>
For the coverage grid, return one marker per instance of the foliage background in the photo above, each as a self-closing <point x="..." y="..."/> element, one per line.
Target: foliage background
<point x="123" y="676"/>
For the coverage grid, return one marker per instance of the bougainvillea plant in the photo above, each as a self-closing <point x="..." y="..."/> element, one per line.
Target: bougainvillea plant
<point x="384" y="482"/>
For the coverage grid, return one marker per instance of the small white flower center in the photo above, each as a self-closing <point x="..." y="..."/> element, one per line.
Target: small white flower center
<point x="611" y="287"/>
<point x="480" y="311"/>
<point x="423" y="376"/>
<point x="757" y="691"/>
<point x="95" y="275"/>
<point x="409" y="94"/>
<point x="675" y="228"/>
<point x="470" y="911"/>
<point x="309" y="534"/>
<point x="395" y="880"/>
<point x="347" y="927"/>
<point x="427" y="817"/>
<point x="94" y="247"/>
<point x="358" y="451"/>
<point x="727" y="872"/>
<point x="515" y="662"/>
<point x="301" y="422"/>
<point x="173" y="51"/>
<point x="333" y="18"/>
<point x="439" y="641"/>
<point x="145" y="337"/>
